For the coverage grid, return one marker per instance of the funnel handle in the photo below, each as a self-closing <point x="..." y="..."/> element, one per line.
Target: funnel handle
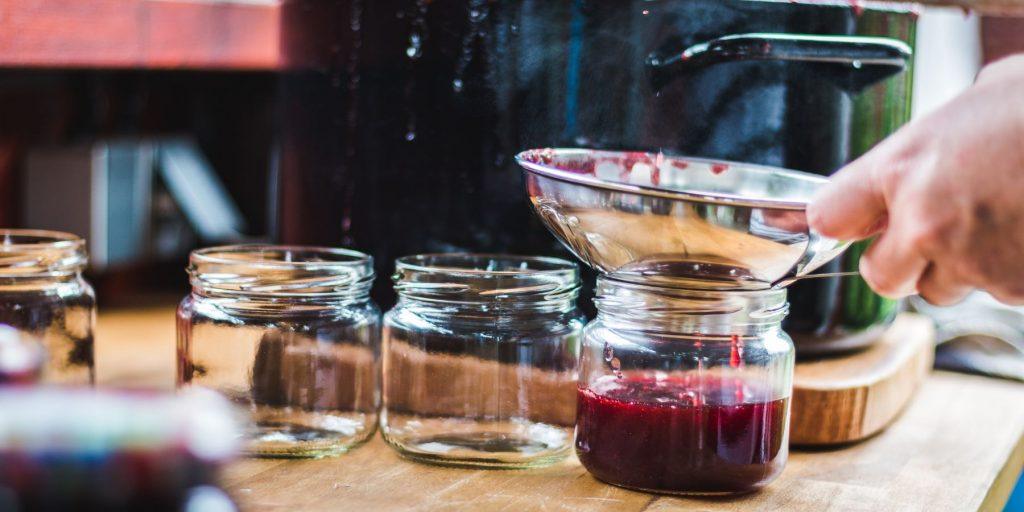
<point x="852" y="62"/>
<point x="820" y="250"/>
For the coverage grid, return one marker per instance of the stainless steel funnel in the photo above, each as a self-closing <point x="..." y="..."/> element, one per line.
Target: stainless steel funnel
<point x="678" y="221"/>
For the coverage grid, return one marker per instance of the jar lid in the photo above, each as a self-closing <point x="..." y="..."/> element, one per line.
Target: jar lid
<point x="467" y="277"/>
<point x="36" y="252"/>
<point x="281" y="271"/>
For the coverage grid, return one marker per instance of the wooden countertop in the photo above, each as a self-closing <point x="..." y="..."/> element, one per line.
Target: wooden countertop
<point x="959" y="446"/>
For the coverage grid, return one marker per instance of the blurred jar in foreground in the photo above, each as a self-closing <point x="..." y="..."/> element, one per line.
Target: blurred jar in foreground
<point x="684" y="391"/>
<point x="480" y="358"/>
<point x="43" y="295"/>
<point x="83" y="450"/>
<point x="290" y="334"/>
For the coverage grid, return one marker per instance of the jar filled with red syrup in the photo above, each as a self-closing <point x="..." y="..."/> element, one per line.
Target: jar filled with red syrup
<point x="685" y="391"/>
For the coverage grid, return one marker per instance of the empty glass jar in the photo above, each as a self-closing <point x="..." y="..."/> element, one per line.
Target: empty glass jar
<point x="289" y="333"/>
<point x="684" y="391"/>
<point x="480" y="360"/>
<point x="44" y="296"/>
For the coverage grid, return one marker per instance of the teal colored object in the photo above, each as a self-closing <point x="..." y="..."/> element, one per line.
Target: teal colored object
<point x="1016" y="501"/>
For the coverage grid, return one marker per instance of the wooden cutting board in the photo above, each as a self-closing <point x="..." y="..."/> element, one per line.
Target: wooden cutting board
<point x="849" y="398"/>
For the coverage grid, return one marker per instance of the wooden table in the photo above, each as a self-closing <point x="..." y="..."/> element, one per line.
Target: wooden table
<point x="959" y="446"/>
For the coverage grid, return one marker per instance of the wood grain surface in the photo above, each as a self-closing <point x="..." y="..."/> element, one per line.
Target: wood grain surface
<point x="957" y="446"/>
<point x="849" y="398"/>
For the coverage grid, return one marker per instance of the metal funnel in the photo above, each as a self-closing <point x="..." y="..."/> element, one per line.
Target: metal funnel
<point x="678" y="221"/>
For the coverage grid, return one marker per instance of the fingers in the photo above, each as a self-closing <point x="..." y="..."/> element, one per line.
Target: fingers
<point x="852" y="206"/>
<point x="1010" y="299"/>
<point x="1002" y="69"/>
<point x="891" y="266"/>
<point x="939" y="286"/>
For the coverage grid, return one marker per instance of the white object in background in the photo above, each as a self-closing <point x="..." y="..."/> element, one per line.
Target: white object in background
<point x="948" y="56"/>
<point x="100" y="192"/>
<point x="113" y="193"/>
<point x="979" y="335"/>
<point x="200" y="193"/>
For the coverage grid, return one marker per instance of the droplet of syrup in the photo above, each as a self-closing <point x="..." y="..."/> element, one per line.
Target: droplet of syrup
<point x="734" y="354"/>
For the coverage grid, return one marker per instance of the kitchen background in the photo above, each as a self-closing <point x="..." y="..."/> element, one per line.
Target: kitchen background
<point x="204" y="134"/>
<point x="150" y="154"/>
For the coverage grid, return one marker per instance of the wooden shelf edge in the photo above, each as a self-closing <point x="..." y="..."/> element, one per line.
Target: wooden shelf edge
<point x="149" y="34"/>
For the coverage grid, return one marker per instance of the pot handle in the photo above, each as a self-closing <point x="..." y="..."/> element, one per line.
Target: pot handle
<point x="854" y="62"/>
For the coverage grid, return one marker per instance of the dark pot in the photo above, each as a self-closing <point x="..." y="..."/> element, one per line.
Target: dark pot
<point x="401" y="117"/>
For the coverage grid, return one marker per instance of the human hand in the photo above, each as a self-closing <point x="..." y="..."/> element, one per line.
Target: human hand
<point x="945" y="194"/>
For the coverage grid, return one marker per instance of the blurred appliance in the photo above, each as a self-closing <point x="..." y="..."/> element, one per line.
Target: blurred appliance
<point x="979" y="335"/>
<point x="131" y="199"/>
<point x="401" y="117"/>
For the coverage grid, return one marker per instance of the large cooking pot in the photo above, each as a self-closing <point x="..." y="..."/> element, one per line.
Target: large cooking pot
<point x="401" y="117"/>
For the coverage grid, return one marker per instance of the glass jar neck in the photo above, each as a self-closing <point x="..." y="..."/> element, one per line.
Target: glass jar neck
<point x="680" y="311"/>
<point x="34" y="259"/>
<point x="486" y="285"/>
<point x="277" y="276"/>
<point x="488" y="311"/>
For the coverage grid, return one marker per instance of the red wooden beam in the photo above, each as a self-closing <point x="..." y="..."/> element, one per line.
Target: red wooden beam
<point x="1002" y="37"/>
<point x="161" y="34"/>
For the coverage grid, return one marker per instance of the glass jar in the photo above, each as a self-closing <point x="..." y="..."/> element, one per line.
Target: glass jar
<point x="44" y="296"/>
<point x="480" y="360"/>
<point x="683" y="391"/>
<point x="289" y="333"/>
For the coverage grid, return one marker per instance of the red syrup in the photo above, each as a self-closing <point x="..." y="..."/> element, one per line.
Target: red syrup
<point x="857" y="6"/>
<point x="674" y="436"/>
<point x="735" y="352"/>
<point x="19" y="378"/>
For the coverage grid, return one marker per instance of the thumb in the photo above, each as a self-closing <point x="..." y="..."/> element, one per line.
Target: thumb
<point x="852" y="206"/>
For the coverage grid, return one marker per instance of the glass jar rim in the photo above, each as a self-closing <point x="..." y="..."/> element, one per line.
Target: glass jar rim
<point x="686" y="309"/>
<point x="220" y="255"/>
<point x="38" y="238"/>
<point x="486" y="277"/>
<point x="682" y="292"/>
<point x="267" y="270"/>
<point x="41" y="252"/>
